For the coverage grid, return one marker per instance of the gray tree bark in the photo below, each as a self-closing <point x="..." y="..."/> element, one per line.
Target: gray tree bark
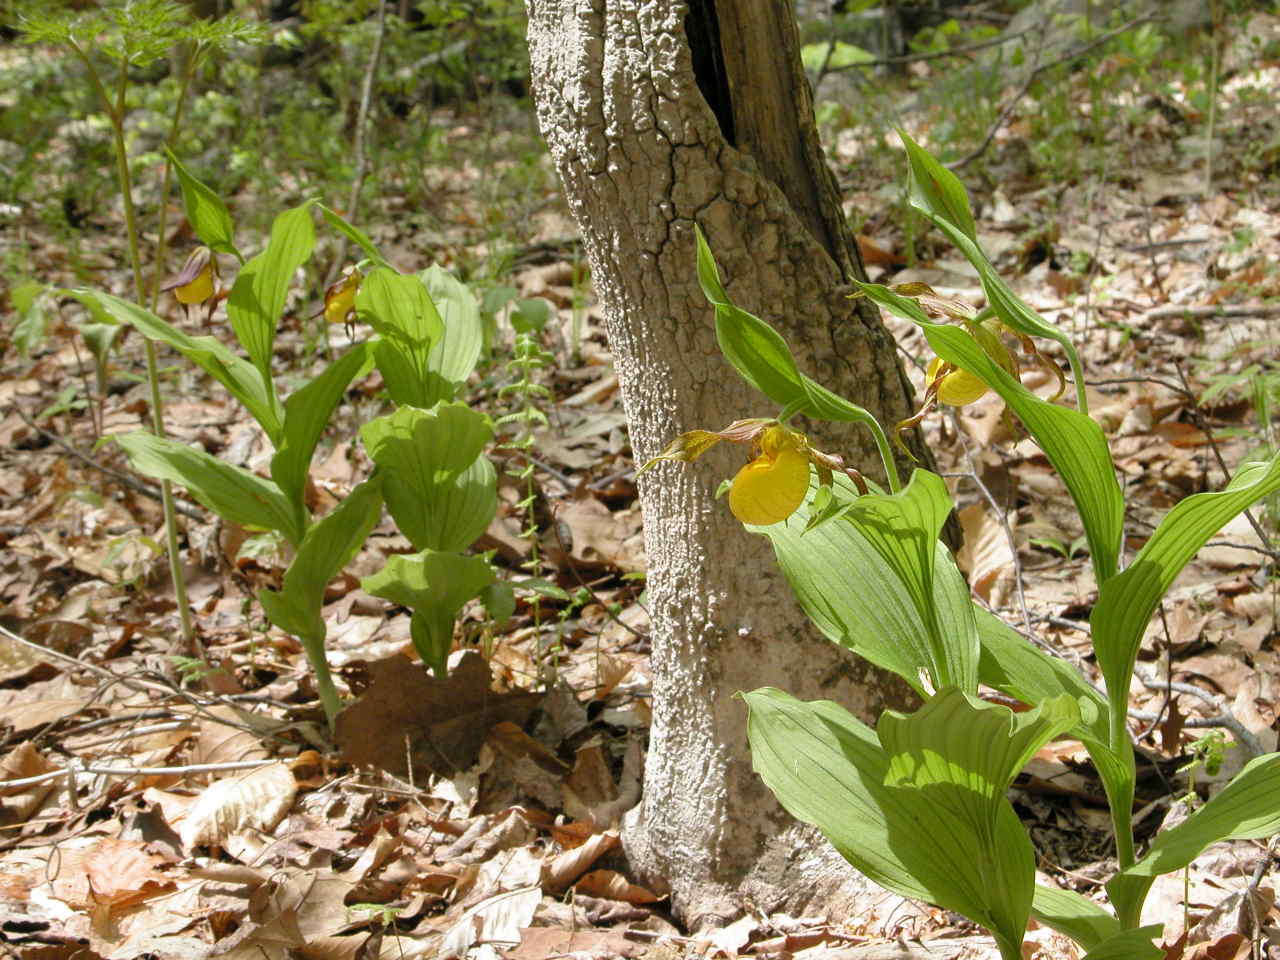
<point x="660" y="115"/>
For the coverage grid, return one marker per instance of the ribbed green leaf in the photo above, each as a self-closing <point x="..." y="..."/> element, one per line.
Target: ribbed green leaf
<point x="206" y="212"/>
<point x="242" y="380"/>
<point x="258" y="295"/>
<point x="1126" y="603"/>
<point x="231" y="492"/>
<point x="440" y="492"/>
<point x="1248" y="808"/>
<point x="305" y="414"/>
<point x="456" y="353"/>
<point x="328" y="546"/>
<point x="1010" y="664"/>
<point x="936" y="191"/>
<point x="354" y="234"/>
<point x="435" y="586"/>
<point x="943" y="832"/>
<point x="409" y="326"/>
<point x="960" y="754"/>
<point x="1074" y="444"/>
<point x="1135" y="944"/>
<point x="854" y="596"/>
<point x="1072" y="915"/>
<point x="904" y="529"/>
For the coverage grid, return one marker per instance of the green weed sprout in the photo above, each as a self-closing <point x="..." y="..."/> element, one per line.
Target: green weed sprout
<point x="918" y="803"/>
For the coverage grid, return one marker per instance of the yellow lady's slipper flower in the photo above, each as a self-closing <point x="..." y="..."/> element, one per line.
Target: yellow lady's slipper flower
<point x="773" y="485"/>
<point x="196" y="282"/>
<point x="340" y="298"/>
<point x="955" y="387"/>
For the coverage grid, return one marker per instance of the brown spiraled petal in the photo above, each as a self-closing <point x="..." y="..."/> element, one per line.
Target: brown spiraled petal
<point x="1045" y="363"/>
<point x="687" y="447"/>
<point x="950" y="308"/>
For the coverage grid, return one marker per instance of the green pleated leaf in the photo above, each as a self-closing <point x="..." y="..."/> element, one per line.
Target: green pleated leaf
<point x="936" y="191"/>
<point x="435" y="586"/>
<point x="30" y="302"/>
<point x="400" y="310"/>
<point x="354" y="234"/>
<point x="1136" y="944"/>
<point x="855" y="597"/>
<point x="1012" y="665"/>
<point x="1126" y="603"/>
<point x="754" y="348"/>
<point x="455" y="354"/>
<point x="206" y="212"/>
<point x="960" y="755"/>
<point x="1098" y="931"/>
<point x="231" y="492"/>
<point x="1074" y="444"/>
<point x="1248" y="808"/>
<point x="943" y="833"/>
<point x="939" y="195"/>
<point x="258" y="295"/>
<point x="904" y="529"/>
<point x="1072" y="915"/>
<point x="305" y="414"/>
<point x="328" y="546"/>
<point x="440" y="491"/>
<point x="242" y="380"/>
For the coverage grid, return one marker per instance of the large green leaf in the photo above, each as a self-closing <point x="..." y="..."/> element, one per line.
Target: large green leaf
<point x="1247" y="808"/>
<point x="435" y="586"/>
<point x="1010" y="664"/>
<point x="354" y="234"/>
<point x="1126" y="603"/>
<point x="258" y="295"/>
<point x="854" y="596"/>
<point x="400" y="310"/>
<point x="937" y="193"/>
<point x="455" y="354"/>
<point x="959" y="754"/>
<point x="206" y="212"/>
<point x="440" y="492"/>
<point x="328" y="546"/>
<point x="904" y="528"/>
<point x="231" y="492"/>
<point x="941" y="832"/>
<point x="242" y="380"/>
<point x="1074" y="444"/>
<point x="305" y="414"/>
<point x="1071" y="914"/>
<point x="1131" y="944"/>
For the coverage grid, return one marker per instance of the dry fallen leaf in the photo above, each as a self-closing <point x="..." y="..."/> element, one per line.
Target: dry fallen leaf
<point x="256" y="800"/>
<point x="561" y="871"/>
<point x="443" y="721"/>
<point x="612" y="885"/>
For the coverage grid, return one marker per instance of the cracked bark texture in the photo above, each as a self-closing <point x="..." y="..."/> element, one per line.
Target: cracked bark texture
<point x="658" y="115"/>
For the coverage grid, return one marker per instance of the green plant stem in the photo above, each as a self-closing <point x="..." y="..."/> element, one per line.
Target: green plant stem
<point x="162" y="242"/>
<point x="115" y="112"/>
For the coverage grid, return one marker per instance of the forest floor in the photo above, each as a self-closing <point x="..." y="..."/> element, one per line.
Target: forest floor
<point x="152" y="805"/>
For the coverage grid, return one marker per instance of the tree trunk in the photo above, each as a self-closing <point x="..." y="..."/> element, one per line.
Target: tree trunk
<point x="658" y="115"/>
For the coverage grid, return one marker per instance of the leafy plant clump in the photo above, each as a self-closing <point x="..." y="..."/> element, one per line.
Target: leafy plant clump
<point x="919" y="803"/>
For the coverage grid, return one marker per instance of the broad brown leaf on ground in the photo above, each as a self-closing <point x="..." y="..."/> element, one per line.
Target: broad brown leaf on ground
<point x="444" y="721"/>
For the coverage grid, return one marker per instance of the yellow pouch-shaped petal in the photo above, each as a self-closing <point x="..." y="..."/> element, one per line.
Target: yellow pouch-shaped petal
<point x="770" y="488"/>
<point x="340" y="298"/>
<point x="198" y="290"/>
<point x="956" y="388"/>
